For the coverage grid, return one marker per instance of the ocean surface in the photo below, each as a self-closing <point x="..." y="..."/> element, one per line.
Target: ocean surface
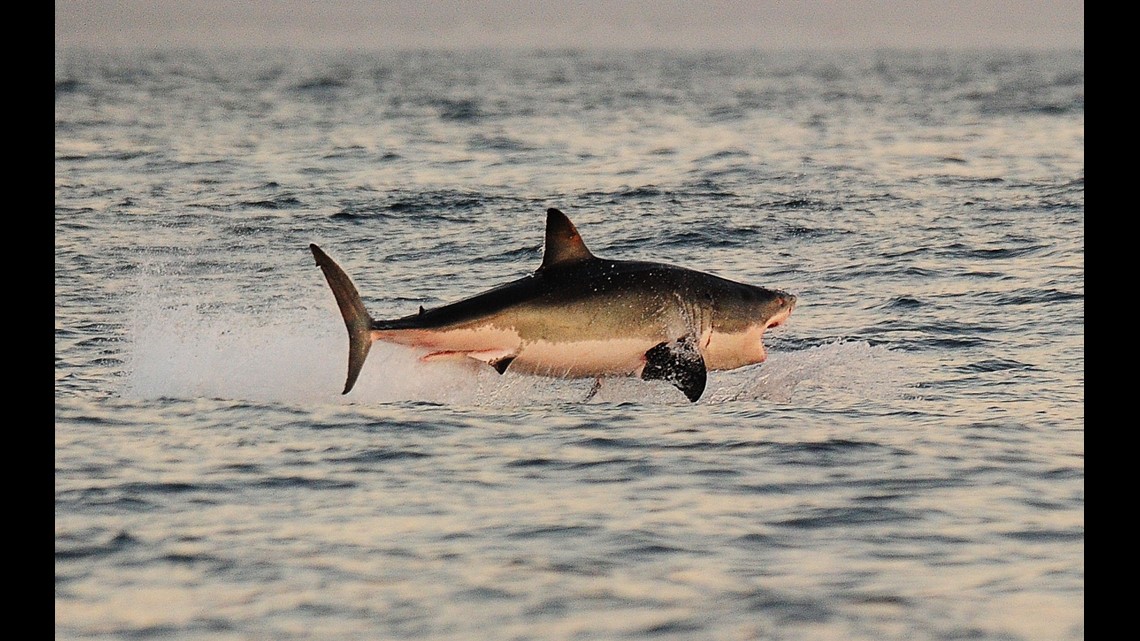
<point x="908" y="464"/>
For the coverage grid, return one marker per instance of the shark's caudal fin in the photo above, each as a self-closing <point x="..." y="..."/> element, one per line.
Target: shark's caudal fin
<point x="356" y="318"/>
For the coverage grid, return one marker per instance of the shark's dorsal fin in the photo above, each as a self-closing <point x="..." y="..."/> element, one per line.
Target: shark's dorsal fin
<point x="564" y="245"/>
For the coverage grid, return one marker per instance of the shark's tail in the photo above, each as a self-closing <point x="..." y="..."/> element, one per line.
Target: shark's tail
<point x="356" y="318"/>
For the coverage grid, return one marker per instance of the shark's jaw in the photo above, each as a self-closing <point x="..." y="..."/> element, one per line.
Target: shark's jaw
<point x="776" y="320"/>
<point x="730" y="350"/>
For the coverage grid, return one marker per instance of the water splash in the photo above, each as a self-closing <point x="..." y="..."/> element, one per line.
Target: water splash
<point x="843" y="369"/>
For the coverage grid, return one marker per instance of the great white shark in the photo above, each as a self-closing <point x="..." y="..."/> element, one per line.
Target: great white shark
<point x="580" y="316"/>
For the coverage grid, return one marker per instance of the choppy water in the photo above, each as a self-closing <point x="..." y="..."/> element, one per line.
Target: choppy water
<point x="908" y="464"/>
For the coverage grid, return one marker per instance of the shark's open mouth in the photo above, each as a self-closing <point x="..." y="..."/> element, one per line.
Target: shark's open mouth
<point x="775" y="321"/>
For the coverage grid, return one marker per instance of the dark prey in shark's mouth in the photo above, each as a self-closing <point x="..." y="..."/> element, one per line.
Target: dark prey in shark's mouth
<point x="580" y="316"/>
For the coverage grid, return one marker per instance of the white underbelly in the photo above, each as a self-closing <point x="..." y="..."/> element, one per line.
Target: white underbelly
<point x="582" y="359"/>
<point x="571" y="359"/>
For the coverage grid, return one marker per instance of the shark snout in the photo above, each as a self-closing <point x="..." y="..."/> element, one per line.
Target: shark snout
<point x="785" y="303"/>
<point x="786" y="300"/>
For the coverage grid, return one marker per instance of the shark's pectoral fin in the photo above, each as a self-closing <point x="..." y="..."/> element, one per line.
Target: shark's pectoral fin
<point x="501" y="364"/>
<point x="680" y="363"/>
<point x="498" y="358"/>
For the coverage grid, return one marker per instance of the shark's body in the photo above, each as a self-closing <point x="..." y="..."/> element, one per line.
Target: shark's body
<point x="579" y="316"/>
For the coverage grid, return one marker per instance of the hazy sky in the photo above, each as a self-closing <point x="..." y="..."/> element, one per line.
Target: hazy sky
<point x="572" y="23"/>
